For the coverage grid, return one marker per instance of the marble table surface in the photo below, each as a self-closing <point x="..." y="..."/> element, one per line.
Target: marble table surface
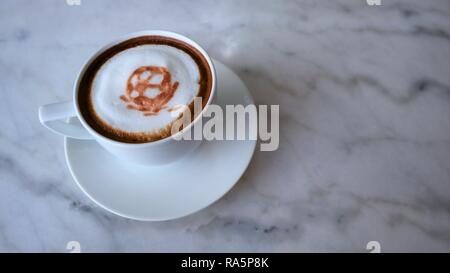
<point x="364" y="95"/>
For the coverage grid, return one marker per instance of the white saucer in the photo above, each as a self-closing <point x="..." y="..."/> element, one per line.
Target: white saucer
<point x="170" y="191"/>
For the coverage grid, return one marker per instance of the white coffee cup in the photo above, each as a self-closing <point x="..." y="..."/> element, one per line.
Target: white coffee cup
<point x="169" y="149"/>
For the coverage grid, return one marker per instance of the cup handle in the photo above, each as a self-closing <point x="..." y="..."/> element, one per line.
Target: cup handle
<point x="52" y="116"/>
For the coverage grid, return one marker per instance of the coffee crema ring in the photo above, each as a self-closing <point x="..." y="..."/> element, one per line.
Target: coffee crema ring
<point x="135" y="97"/>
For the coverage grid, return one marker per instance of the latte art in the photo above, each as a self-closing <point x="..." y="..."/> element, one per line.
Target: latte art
<point x="135" y="92"/>
<point x="141" y="81"/>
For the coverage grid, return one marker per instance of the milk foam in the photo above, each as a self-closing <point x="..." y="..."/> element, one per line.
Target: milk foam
<point x="111" y="79"/>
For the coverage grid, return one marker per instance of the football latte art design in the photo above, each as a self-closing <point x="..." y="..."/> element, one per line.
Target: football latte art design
<point x="141" y="81"/>
<point x="135" y="91"/>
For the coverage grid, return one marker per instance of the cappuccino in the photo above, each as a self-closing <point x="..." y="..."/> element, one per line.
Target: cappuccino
<point x="134" y="91"/>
